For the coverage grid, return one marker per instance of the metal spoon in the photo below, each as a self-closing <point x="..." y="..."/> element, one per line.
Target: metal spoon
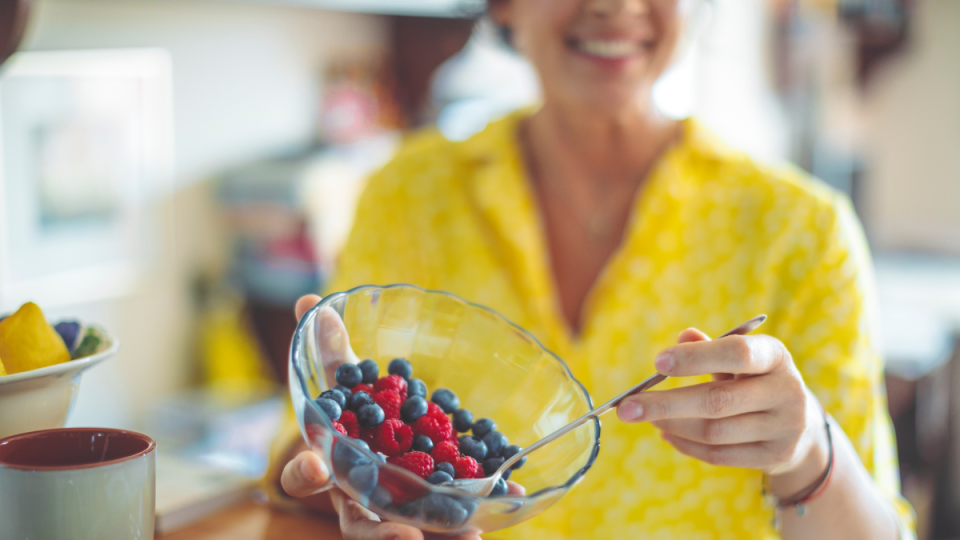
<point x="484" y="486"/>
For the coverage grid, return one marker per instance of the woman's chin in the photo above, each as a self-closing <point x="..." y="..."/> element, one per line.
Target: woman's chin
<point x="614" y="102"/>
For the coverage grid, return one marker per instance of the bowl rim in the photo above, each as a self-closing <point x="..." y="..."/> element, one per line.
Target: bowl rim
<point x="542" y="493"/>
<point x="70" y="366"/>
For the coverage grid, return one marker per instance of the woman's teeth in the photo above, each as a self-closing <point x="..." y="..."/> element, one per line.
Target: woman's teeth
<point x="608" y="48"/>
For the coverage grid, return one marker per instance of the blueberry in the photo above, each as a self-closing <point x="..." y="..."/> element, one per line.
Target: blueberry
<point x="370" y="416"/>
<point x="499" y="489"/>
<point x="445" y="467"/>
<point x="337" y="396"/>
<point x="370" y="371"/>
<point x="490" y="465"/>
<point x="400" y="366"/>
<point x="349" y="375"/>
<point x="447" y="400"/>
<point x="343" y="390"/>
<point x="439" y="477"/>
<point x="363" y="478"/>
<point x="410" y="509"/>
<point x="361" y="443"/>
<point x="359" y="399"/>
<point x="381" y="497"/>
<point x="495" y="442"/>
<point x="483" y="426"/>
<point x="416" y="387"/>
<point x="473" y="447"/>
<point x="462" y="420"/>
<point x="412" y="409"/>
<point x="443" y="510"/>
<point x="422" y="443"/>
<point x="346" y="457"/>
<point x="329" y="407"/>
<point x="469" y="504"/>
<point x="70" y="333"/>
<point x="508" y="453"/>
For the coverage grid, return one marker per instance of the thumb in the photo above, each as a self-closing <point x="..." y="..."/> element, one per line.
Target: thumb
<point x="304" y="475"/>
<point x="304" y="304"/>
<point x="691" y="335"/>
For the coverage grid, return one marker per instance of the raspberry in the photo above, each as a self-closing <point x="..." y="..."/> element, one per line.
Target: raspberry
<point x="446" y="427"/>
<point x="390" y="402"/>
<point x="445" y="452"/>
<point x="364" y="388"/>
<point x="418" y="463"/>
<point x="467" y="467"/>
<point x="349" y="421"/>
<point x="392" y="382"/>
<point x="429" y="427"/>
<point x="401" y="488"/>
<point x="392" y="437"/>
<point x="314" y="432"/>
<point x="434" y="411"/>
<point x="339" y="427"/>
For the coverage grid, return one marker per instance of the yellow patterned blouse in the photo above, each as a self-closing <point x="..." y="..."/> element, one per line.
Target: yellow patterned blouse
<point x="714" y="239"/>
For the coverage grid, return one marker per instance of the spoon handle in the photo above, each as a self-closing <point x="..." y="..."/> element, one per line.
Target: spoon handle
<point x="647" y="383"/>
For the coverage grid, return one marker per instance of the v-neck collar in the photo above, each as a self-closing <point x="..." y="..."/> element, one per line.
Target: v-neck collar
<point x="505" y="197"/>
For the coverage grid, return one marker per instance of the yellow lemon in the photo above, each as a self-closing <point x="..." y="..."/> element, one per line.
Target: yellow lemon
<point x="28" y="342"/>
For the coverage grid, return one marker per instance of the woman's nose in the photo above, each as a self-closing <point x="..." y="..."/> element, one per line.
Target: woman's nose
<point x="612" y="8"/>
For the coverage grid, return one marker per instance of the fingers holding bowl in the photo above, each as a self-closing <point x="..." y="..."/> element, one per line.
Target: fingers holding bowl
<point x="305" y="475"/>
<point x="332" y="337"/>
<point x="304" y="303"/>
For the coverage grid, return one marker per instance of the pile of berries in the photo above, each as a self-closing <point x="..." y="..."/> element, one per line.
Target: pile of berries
<point x="392" y="416"/>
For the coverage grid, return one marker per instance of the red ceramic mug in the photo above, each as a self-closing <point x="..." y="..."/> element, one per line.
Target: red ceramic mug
<point x="77" y="484"/>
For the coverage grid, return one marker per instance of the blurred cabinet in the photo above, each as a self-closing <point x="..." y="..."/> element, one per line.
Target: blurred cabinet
<point x="920" y="309"/>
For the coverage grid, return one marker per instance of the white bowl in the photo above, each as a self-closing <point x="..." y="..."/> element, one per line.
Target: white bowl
<point x="43" y="398"/>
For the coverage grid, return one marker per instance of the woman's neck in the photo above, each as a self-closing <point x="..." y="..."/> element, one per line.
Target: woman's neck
<point x="585" y="170"/>
<point x="602" y="149"/>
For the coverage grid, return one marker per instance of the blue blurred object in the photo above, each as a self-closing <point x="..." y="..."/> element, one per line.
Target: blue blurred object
<point x="274" y="257"/>
<point x="70" y="332"/>
<point x="279" y="280"/>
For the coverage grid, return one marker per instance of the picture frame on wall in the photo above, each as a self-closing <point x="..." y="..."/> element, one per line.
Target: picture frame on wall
<point x="86" y="144"/>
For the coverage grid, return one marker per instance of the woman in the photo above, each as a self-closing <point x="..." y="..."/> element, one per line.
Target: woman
<point x="605" y="228"/>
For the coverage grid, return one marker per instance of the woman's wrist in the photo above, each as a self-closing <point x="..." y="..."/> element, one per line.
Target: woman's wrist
<point x="811" y="466"/>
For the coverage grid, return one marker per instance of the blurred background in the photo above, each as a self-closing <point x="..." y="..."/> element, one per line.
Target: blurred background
<point x="180" y="171"/>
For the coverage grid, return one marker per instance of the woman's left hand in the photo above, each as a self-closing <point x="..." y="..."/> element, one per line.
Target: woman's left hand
<point x="756" y="413"/>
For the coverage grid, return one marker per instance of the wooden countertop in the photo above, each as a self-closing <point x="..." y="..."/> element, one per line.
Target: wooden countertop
<point x="252" y="521"/>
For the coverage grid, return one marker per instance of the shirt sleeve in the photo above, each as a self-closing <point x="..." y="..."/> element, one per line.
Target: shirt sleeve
<point x="830" y="327"/>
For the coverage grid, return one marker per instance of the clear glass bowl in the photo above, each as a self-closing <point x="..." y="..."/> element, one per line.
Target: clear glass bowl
<point x="498" y="371"/>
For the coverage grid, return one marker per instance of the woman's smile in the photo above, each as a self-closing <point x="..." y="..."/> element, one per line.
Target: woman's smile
<point x="610" y="52"/>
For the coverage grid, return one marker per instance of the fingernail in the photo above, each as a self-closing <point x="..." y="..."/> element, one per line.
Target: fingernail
<point x="306" y="472"/>
<point x="664" y="362"/>
<point x="631" y="411"/>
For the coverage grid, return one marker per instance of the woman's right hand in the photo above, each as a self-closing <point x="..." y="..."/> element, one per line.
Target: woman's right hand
<point x="305" y="476"/>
